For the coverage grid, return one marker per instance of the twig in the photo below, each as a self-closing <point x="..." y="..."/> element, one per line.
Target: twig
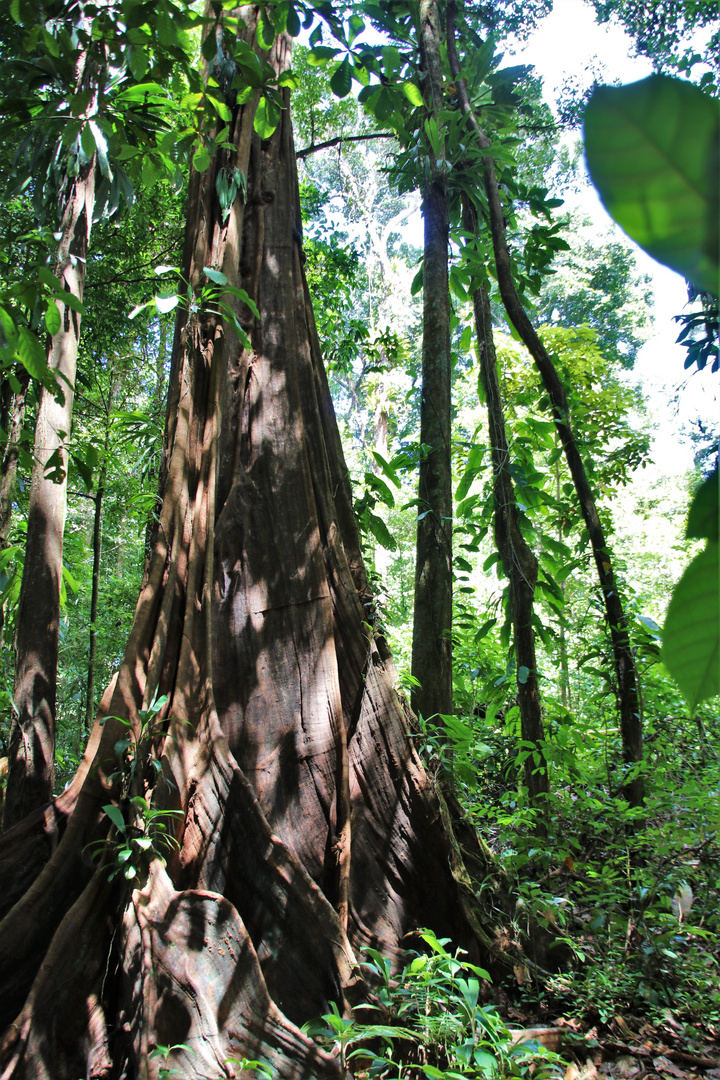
<point x="343" y="139"/>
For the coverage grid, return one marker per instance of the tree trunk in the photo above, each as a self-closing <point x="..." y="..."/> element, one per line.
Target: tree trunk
<point x="13" y="424"/>
<point x="158" y="404"/>
<point x="624" y="662"/>
<point x="307" y="827"/>
<point x="31" y="756"/>
<point x="97" y="553"/>
<point x="519" y="562"/>
<point x="432" y="644"/>
<point x="565" y="693"/>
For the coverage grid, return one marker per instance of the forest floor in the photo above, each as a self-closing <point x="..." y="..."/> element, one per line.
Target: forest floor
<point x="629" y="1047"/>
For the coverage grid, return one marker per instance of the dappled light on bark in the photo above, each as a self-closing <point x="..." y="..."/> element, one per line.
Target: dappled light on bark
<point x="306" y="824"/>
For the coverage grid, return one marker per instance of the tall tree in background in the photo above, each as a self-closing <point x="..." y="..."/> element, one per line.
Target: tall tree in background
<point x="519" y="561"/>
<point x="66" y="95"/>
<point x="432" y="643"/>
<point x="627" y="686"/>
<point x="32" y="737"/>
<point x="261" y="711"/>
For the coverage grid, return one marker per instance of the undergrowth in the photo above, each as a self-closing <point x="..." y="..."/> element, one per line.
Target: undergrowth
<point x="435" y="1023"/>
<point x="633" y="894"/>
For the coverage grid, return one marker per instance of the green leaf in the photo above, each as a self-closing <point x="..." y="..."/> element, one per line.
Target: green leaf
<point x="267" y="118"/>
<point x="484" y="630"/>
<point x="293" y="22"/>
<point x="8" y="328"/>
<point x="378" y="485"/>
<point x="87" y="141"/>
<point x="243" y="296"/>
<point x="412" y="93"/>
<point x="201" y="159"/>
<point x="164" y="304"/>
<point x="53" y="322"/>
<point x="691" y="635"/>
<point x="387" y="467"/>
<point x="317" y="56"/>
<point x="649" y="624"/>
<point x="704" y="512"/>
<point x="652" y="153"/>
<point x="417" y="282"/>
<point x="31" y="353"/>
<point x="138" y="308"/>
<point x="149" y="173"/>
<point x="433" y="136"/>
<point x="143" y="92"/>
<point x="115" y="815"/>
<point x="265" y="30"/>
<point x="220" y="107"/>
<point x="138" y="62"/>
<point x="215" y="275"/>
<point x="341" y="81"/>
<point x="289" y="79"/>
<point x="380" y="531"/>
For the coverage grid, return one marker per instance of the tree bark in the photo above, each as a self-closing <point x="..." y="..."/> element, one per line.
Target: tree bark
<point x="625" y="671"/>
<point x="97" y="553"/>
<point x="307" y="827"/>
<point x="564" y="680"/>
<point x="31" y="755"/>
<point x="13" y="423"/>
<point x="519" y="561"/>
<point x="432" y="643"/>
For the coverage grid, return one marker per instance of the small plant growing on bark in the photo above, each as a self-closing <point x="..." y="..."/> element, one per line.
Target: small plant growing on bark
<point x="134" y="845"/>
<point x="134" y="750"/>
<point x="146" y="836"/>
<point x="164" y="1052"/>
<point x="248" y="1065"/>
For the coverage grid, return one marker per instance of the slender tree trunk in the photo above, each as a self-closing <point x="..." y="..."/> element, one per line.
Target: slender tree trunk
<point x="519" y="562"/>
<point x="8" y="470"/>
<point x="432" y="644"/>
<point x="565" y="694"/>
<point x="624" y="662"/>
<point x="381" y="555"/>
<point x="92" y="644"/>
<point x="307" y="827"/>
<point x="11" y="452"/>
<point x="97" y="555"/>
<point x="32" y="735"/>
<point x="158" y="401"/>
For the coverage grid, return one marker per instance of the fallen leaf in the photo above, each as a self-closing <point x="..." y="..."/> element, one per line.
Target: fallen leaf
<point x="665" y="1067"/>
<point x="626" y="1066"/>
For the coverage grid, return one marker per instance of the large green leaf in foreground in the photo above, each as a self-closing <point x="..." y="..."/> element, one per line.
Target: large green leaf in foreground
<point x="652" y="153"/>
<point x="691" y="637"/>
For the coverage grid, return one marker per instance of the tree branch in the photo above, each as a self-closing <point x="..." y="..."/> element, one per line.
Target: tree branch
<point x="343" y="139"/>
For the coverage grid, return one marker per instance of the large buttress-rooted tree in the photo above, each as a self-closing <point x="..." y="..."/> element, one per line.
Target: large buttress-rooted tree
<point x="307" y="827"/>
